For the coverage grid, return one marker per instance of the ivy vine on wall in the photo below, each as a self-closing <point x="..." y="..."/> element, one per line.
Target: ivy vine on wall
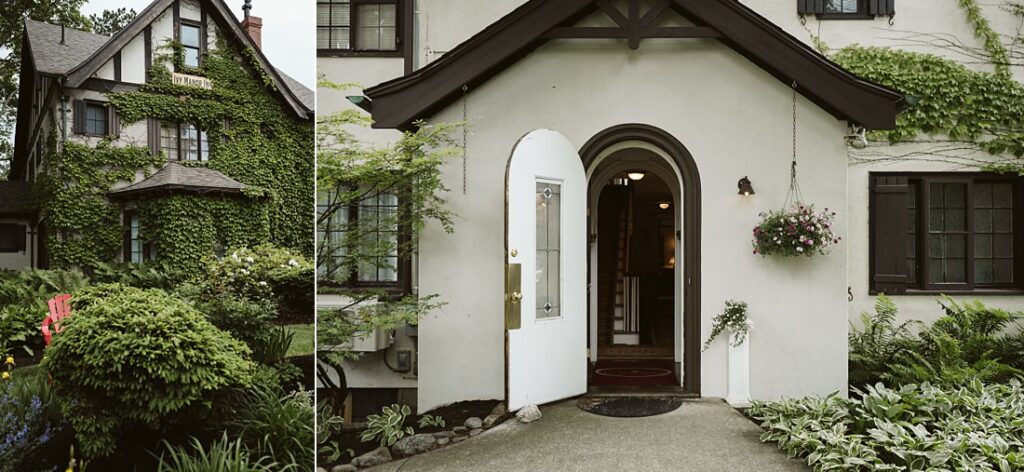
<point x="959" y="108"/>
<point x="254" y="138"/>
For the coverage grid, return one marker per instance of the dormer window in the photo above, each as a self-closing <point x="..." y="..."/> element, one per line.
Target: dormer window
<point x="191" y="43"/>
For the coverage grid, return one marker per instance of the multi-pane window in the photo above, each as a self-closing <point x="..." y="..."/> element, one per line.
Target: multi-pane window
<point x="331" y="232"/>
<point x="993" y="233"/>
<point x="843" y="6"/>
<point x="376" y="27"/>
<point x="96" y="118"/>
<point x="549" y="249"/>
<point x="190" y="42"/>
<point x="357" y="25"/>
<point x="961" y="232"/>
<point x="334" y="24"/>
<point x="136" y="251"/>
<point x="184" y="142"/>
<point x="377" y="219"/>
<point x="368" y="228"/>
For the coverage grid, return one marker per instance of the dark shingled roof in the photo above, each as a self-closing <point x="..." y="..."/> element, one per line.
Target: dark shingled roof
<point x="175" y="176"/>
<point x="52" y="57"/>
<point x="16" y="198"/>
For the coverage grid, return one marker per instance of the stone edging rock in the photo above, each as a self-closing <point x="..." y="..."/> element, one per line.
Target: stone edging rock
<point x="420" y="443"/>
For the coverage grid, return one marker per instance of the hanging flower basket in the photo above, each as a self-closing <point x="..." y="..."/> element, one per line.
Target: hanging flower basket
<point x="797" y="231"/>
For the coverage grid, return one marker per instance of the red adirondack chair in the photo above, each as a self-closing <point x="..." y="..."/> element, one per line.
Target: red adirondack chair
<point x="60" y="308"/>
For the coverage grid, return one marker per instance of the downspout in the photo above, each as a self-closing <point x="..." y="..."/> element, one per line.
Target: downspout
<point x="63" y="116"/>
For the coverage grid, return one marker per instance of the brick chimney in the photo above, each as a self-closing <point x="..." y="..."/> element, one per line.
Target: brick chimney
<point x="253" y="26"/>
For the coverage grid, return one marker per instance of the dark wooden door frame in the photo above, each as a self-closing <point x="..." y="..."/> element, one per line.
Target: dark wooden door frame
<point x="691" y="228"/>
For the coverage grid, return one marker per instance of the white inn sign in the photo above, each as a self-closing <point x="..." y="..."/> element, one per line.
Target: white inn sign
<point x="191" y="81"/>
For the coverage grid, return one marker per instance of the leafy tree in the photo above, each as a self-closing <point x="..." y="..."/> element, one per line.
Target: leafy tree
<point x="12" y="15"/>
<point x="349" y="174"/>
<point x="111" y="21"/>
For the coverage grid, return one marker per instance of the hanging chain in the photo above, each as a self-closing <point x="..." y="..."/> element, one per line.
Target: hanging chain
<point x="794" y="196"/>
<point x="465" y="135"/>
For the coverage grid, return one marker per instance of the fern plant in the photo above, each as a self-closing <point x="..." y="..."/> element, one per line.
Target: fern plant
<point x="878" y="342"/>
<point x="389" y="426"/>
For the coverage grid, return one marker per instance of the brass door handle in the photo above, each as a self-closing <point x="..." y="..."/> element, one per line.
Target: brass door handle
<point x="516" y="296"/>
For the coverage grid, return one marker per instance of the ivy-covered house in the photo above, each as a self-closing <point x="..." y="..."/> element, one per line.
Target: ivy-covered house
<point x="169" y="141"/>
<point x="619" y="156"/>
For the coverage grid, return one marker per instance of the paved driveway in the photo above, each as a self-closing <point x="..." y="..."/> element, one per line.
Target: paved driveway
<point x="702" y="435"/>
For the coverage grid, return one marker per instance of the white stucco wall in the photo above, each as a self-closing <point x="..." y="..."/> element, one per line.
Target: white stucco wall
<point x="735" y="119"/>
<point x="556" y="88"/>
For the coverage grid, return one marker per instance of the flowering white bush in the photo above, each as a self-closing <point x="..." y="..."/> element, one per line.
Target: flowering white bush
<point x="798" y="231"/>
<point x="264" y="272"/>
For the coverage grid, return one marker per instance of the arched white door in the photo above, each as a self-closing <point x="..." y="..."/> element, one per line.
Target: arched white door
<point x="546" y="309"/>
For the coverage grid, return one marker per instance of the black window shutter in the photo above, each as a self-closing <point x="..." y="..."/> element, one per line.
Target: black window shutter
<point x="882" y="7"/>
<point x="888" y="234"/>
<point x="153" y="135"/>
<point x="79" y="118"/>
<point x="114" y="122"/>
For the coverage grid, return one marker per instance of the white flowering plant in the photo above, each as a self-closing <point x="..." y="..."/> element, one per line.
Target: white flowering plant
<point x="797" y="231"/>
<point x="263" y="272"/>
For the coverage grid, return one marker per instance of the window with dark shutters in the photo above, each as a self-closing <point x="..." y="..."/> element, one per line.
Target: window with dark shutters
<point x="846" y="9"/>
<point x="934" y="232"/>
<point x="78" y="118"/>
<point x="94" y="118"/>
<point x="888" y="234"/>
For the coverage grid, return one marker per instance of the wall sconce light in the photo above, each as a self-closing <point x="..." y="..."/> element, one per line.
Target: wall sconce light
<point x="746" y="189"/>
<point x="636" y="175"/>
<point x="664" y="205"/>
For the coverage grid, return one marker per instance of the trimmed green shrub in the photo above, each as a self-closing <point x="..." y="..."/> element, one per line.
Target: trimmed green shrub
<point x="247" y="320"/>
<point x="973" y="427"/>
<point x="134" y="357"/>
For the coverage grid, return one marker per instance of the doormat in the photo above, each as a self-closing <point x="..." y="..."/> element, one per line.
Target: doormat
<point x="629" y="407"/>
<point x="647" y="372"/>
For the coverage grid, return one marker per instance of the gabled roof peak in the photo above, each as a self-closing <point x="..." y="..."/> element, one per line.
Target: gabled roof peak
<point x="400" y="102"/>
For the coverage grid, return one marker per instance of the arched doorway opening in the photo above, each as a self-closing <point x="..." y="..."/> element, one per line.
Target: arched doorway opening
<point x="644" y="259"/>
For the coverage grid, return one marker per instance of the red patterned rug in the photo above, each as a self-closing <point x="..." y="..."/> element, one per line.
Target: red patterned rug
<point x="612" y="372"/>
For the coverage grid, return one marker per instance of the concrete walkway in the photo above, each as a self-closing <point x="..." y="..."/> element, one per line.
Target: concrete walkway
<point x="702" y="435"/>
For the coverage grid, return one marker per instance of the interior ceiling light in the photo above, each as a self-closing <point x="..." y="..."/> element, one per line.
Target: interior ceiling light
<point x="636" y="175"/>
<point x="664" y="205"/>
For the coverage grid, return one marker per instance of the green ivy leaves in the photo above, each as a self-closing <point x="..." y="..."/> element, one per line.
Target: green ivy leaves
<point x="254" y="138"/>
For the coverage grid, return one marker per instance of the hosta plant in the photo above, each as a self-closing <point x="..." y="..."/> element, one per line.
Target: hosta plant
<point x="389" y="426"/>
<point x="974" y="427"/>
<point x="796" y="231"/>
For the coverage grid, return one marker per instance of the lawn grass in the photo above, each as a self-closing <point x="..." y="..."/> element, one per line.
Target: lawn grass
<point x="302" y="344"/>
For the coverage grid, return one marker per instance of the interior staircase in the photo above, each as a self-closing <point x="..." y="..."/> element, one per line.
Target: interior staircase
<point x="626" y="320"/>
